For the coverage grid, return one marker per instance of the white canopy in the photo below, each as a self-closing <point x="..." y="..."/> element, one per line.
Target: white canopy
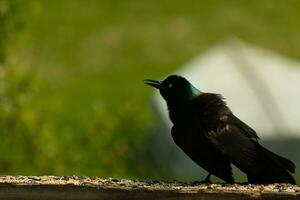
<point x="261" y="87"/>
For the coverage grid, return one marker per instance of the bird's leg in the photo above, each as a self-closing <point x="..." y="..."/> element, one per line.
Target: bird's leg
<point x="207" y="179"/>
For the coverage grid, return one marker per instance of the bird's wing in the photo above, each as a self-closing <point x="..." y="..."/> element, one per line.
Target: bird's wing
<point x="239" y="142"/>
<point x="260" y="164"/>
<point x="247" y="130"/>
<point x="212" y="111"/>
<point x="237" y="145"/>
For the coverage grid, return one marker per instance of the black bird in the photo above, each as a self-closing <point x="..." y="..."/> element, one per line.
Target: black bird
<point x="209" y="133"/>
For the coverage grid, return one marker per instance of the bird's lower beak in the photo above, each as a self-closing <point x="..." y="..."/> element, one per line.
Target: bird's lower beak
<point x="153" y="83"/>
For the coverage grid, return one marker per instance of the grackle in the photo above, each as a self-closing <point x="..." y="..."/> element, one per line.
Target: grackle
<point x="209" y="133"/>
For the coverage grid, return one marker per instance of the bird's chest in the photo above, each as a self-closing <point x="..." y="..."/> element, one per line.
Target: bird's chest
<point x="190" y="125"/>
<point x="193" y="142"/>
<point x="186" y="135"/>
<point x="188" y="132"/>
<point x="189" y="135"/>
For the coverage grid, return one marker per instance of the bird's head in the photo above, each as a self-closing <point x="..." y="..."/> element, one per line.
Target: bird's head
<point x="174" y="88"/>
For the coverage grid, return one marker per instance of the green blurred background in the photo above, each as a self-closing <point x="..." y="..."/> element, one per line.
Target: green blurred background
<point x="72" y="100"/>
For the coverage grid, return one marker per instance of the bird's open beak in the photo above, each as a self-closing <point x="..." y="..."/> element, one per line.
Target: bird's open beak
<point x="153" y="83"/>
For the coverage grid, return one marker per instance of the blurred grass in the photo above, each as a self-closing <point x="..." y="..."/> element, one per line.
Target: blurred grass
<point x="90" y="110"/>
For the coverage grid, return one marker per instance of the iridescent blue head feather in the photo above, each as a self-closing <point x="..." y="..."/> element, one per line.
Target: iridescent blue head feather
<point x="175" y="88"/>
<point x="195" y="91"/>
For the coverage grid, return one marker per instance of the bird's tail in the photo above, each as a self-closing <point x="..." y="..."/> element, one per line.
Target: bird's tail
<point x="276" y="169"/>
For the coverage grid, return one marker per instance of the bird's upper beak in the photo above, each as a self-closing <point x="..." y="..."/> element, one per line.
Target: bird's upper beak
<point x="153" y="83"/>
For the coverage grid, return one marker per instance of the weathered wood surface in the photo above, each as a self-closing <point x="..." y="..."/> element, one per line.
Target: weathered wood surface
<point x="73" y="187"/>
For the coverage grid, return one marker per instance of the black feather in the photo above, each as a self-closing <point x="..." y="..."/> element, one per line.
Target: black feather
<point x="208" y="132"/>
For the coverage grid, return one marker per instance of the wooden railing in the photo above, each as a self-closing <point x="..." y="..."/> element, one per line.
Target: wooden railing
<point x="73" y="187"/>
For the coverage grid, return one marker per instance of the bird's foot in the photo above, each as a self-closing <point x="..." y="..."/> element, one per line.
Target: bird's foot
<point x="194" y="183"/>
<point x="206" y="181"/>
